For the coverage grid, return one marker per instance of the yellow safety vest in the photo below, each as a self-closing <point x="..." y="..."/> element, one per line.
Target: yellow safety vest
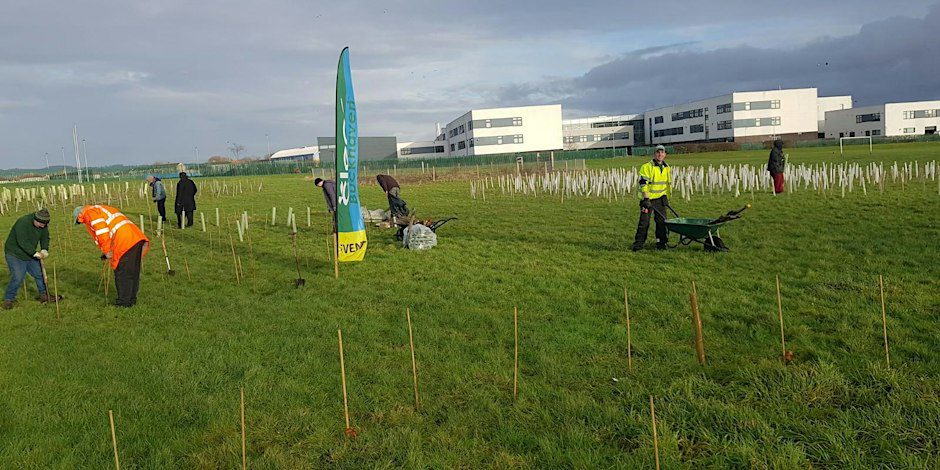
<point x="655" y="180"/>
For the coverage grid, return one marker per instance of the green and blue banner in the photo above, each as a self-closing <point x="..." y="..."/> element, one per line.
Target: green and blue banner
<point x="351" y="230"/>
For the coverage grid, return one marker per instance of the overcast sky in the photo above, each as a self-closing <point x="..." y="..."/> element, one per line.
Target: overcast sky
<point x="149" y="81"/>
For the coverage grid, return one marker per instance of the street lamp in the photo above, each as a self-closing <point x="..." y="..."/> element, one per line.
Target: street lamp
<point x="85" y="151"/>
<point x="64" y="171"/>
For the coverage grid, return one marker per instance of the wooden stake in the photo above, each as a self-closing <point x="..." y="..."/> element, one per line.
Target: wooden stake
<point x="515" y="366"/>
<point x="414" y="366"/>
<point x="117" y="462"/>
<point x="884" y="318"/>
<point x="626" y="307"/>
<point x="697" y="323"/>
<point x="244" y="440"/>
<point x="107" y="279"/>
<point x="55" y="289"/>
<point x="188" y="275"/>
<point x="655" y="435"/>
<point x="234" y="259"/>
<point x="342" y="370"/>
<point x="336" y="256"/>
<point x="783" y="341"/>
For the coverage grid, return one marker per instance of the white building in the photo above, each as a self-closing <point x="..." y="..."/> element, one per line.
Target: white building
<point x="504" y="130"/>
<point x="301" y="153"/>
<point x="600" y="132"/>
<point x="889" y="119"/>
<point x="739" y="117"/>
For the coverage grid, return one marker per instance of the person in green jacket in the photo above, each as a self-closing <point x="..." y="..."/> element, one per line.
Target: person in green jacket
<point x="22" y="256"/>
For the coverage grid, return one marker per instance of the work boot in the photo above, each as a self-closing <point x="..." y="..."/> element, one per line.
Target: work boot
<point x="43" y="298"/>
<point x="661" y="246"/>
<point x="7" y="304"/>
<point x="637" y="247"/>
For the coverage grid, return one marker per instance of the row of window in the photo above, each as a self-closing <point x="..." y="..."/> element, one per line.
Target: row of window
<point x="875" y="132"/>
<point x="420" y="150"/>
<point x="494" y="140"/>
<point x="722" y="109"/>
<point x="910" y="130"/>
<point x="757" y="122"/>
<point x="571" y="139"/>
<point x="692" y="113"/>
<point x="859" y="118"/>
<point x="668" y="132"/>
<point x="724" y="125"/>
<point x="484" y="123"/>
<point x="920" y="114"/>
<point x="610" y="124"/>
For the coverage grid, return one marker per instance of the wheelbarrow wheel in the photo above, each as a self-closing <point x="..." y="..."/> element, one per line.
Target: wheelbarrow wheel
<point x="713" y="244"/>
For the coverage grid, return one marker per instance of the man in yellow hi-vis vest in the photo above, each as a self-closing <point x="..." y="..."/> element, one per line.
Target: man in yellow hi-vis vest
<point x="655" y="188"/>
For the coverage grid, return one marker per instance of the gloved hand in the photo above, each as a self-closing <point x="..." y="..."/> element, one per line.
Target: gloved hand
<point x="107" y="255"/>
<point x="37" y="255"/>
<point x="646" y="204"/>
<point x="43" y="254"/>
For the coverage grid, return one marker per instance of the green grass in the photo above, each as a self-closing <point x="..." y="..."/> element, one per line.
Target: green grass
<point x="171" y="368"/>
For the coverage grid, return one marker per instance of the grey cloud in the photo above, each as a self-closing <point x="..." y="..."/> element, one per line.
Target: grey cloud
<point x="149" y="81"/>
<point x="886" y="60"/>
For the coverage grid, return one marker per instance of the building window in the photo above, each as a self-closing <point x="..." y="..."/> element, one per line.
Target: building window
<point x="569" y="139"/>
<point x="470" y="142"/>
<point x="693" y="113"/>
<point x="517" y="139"/>
<point x="451" y="147"/>
<point x="658" y="120"/>
<point x="722" y="125"/>
<point x="621" y="136"/>
<point x="461" y="145"/>
<point x="910" y="130"/>
<point x="924" y="113"/>
<point x="470" y="125"/>
<point x="723" y="108"/>
<point x="517" y="121"/>
<point x="461" y="129"/>
<point x="876" y="132"/>
<point x="696" y="128"/>
<point x="852" y="134"/>
<point x="597" y="138"/>
<point x="610" y="124"/>
<point x="668" y="132"/>
<point x="582" y="138"/>
<point x="859" y="118"/>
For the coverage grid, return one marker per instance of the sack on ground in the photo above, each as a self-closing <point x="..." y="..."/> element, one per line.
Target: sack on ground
<point x="419" y="237"/>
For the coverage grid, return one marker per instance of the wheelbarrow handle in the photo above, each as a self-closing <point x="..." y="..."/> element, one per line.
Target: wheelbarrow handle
<point x="747" y="206"/>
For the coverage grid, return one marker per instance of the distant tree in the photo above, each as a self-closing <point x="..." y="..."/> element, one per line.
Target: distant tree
<point x="219" y="159"/>
<point x="236" y="149"/>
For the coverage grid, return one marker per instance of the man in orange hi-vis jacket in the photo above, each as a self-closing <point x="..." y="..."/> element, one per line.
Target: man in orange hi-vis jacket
<point x="121" y="242"/>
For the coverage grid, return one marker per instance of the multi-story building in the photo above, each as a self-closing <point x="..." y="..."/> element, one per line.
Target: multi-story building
<point x="737" y="117"/>
<point x="601" y="132"/>
<point x="504" y="130"/>
<point x="889" y="119"/>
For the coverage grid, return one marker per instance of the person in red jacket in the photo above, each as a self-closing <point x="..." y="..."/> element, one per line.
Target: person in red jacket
<point x="121" y="242"/>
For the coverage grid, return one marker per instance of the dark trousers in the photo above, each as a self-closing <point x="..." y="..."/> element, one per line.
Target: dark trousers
<point x="179" y="217"/>
<point x="127" y="276"/>
<point x="658" y="211"/>
<point x="778" y="182"/>
<point x="161" y="209"/>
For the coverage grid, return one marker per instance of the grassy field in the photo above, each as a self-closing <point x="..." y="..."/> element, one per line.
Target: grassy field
<point x="171" y="368"/>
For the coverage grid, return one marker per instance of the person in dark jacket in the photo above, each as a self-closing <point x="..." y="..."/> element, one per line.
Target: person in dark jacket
<point x="185" y="200"/>
<point x="396" y="205"/>
<point x="329" y="193"/>
<point x="22" y="257"/>
<point x="158" y="194"/>
<point x="775" y="165"/>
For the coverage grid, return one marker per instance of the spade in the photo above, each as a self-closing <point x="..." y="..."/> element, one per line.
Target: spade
<point x="300" y="280"/>
<point x="169" y="271"/>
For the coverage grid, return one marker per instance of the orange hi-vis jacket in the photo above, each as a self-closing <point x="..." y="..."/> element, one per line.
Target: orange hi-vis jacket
<point x="112" y="231"/>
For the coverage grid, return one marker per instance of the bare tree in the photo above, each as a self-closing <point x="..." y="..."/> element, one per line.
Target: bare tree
<point x="236" y="149"/>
